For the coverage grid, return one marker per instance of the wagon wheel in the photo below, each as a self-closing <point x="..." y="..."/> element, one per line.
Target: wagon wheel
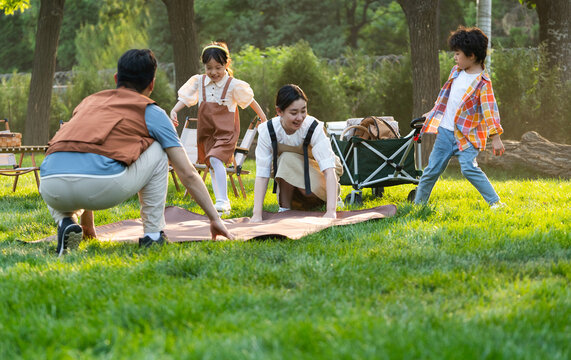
<point x="378" y="191"/>
<point x="411" y="195"/>
<point x="354" y="198"/>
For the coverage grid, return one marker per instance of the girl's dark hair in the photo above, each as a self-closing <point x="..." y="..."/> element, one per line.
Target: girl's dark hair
<point x="470" y="41"/>
<point x="136" y="69"/>
<point x="288" y="94"/>
<point x="213" y="51"/>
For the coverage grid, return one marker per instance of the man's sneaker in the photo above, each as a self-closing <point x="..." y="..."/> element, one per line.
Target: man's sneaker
<point x="223" y="207"/>
<point x="497" y="205"/>
<point x="147" y="241"/>
<point x="69" y="235"/>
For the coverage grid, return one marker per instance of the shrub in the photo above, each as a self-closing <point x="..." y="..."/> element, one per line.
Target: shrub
<point x="396" y="82"/>
<point x="530" y="98"/>
<point x="303" y="68"/>
<point x="260" y="69"/>
<point x="14" y="92"/>
<point x="376" y="86"/>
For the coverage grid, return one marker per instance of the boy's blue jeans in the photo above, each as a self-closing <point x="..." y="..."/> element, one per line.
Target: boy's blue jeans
<point x="444" y="148"/>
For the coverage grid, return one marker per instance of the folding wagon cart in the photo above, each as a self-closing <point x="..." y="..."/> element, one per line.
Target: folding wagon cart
<point x="377" y="164"/>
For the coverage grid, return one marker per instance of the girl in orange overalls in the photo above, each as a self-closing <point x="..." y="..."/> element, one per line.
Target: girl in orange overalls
<point x="217" y="94"/>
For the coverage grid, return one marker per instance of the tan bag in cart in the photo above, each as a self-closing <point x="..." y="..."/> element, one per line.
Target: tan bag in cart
<point x="374" y="128"/>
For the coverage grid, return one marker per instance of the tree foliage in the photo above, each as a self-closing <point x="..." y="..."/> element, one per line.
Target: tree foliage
<point x="11" y="6"/>
<point x="331" y="27"/>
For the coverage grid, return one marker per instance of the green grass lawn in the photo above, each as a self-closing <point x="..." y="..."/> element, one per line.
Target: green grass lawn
<point x="451" y="280"/>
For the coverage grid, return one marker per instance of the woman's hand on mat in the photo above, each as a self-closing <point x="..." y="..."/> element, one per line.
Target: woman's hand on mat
<point x="332" y="214"/>
<point x="497" y="145"/>
<point x="217" y="227"/>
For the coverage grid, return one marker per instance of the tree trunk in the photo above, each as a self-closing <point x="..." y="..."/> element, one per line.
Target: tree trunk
<point x="422" y="19"/>
<point x="36" y="129"/>
<point x="484" y="22"/>
<point x="185" y="42"/>
<point x="554" y="34"/>
<point x="354" y="23"/>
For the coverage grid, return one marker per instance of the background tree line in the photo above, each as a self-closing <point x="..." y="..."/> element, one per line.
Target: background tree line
<point x="331" y="27"/>
<point x="263" y="36"/>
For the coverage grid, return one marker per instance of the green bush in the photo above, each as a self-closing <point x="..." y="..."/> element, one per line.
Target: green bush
<point x="380" y="86"/>
<point x="14" y="100"/>
<point x="163" y="93"/>
<point x="259" y="68"/>
<point x="396" y="97"/>
<point x="530" y="98"/>
<point x="303" y="68"/>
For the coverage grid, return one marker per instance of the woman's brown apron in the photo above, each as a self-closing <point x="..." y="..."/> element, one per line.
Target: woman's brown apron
<point x="291" y="170"/>
<point x="217" y="129"/>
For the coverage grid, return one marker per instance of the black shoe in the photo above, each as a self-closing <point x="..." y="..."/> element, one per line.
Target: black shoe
<point x="147" y="241"/>
<point x="69" y="235"/>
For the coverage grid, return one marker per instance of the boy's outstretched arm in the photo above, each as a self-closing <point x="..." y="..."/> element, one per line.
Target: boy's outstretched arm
<point x="497" y="145"/>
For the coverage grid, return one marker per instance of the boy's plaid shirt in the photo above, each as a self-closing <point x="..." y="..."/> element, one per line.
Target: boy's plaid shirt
<point x="476" y="117"/>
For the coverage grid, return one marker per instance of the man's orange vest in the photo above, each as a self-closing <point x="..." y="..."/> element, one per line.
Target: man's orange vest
<point x="109" y="123"/>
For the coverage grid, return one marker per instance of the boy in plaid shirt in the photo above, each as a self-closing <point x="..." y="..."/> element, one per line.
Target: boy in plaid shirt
<point x="464" y="115"/>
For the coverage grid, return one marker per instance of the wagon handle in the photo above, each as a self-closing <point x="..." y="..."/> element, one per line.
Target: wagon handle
<point x="354" y="127"/>
<point x="415" y="122"/>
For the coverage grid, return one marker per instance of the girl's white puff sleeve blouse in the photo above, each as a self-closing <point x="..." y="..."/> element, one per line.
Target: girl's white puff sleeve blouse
<point x="239" y="92"/>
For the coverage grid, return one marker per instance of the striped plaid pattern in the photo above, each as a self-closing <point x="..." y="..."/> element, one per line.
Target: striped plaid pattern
<point x="476" y="117"/>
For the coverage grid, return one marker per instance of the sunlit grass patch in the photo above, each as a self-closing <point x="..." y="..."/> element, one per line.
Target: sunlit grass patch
<point x="451" y="279"/>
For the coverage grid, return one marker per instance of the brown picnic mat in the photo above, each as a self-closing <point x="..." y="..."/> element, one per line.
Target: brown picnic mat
<point x="184" y="225"/>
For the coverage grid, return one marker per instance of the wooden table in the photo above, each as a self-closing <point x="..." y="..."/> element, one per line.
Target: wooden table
<point x="18" y="169"/>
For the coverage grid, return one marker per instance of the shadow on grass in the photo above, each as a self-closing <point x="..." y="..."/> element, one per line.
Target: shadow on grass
<point x="413" y="211"/>
<point x="498" y="174"/>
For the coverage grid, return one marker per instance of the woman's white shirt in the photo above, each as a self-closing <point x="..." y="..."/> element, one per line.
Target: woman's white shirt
<point x="320" y="143"/>
<point x="239" y="92"/>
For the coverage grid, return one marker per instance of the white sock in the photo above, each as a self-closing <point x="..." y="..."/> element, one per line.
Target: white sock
<point x="213" y="181"/>
<point x="154" y="235"/>
<point x="221" y="192"/>
<point x="281" y="209"/>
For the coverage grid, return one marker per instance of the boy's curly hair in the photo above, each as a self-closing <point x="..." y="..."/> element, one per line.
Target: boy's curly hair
<point x="469" y="41"/>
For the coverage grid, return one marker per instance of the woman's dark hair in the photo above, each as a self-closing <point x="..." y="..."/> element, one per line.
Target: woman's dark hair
<point x="288" y="94"/>
<point x="136" y="69"/>
<point x="470" y="41"/>
<point x="219" y="52"/>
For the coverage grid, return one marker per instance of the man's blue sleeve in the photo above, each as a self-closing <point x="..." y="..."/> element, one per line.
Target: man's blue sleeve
<point x="160" y="127"/>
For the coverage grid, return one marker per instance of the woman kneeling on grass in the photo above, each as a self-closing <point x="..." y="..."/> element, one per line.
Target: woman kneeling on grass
<point x="295" y="146"/>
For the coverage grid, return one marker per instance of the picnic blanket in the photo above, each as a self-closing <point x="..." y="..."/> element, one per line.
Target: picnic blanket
<point x="183" y="225"/>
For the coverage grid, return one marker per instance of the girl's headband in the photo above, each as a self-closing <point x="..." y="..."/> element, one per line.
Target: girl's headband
<point x="213" y="46"/>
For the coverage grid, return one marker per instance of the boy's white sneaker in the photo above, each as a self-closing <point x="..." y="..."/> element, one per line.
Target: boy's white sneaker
<point x="497" y="205"/>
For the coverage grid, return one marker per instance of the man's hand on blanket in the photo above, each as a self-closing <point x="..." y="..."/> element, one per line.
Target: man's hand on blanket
<point x="217" y="228"/>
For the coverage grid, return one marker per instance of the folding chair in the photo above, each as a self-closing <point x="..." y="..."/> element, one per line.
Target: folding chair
<point x="9" y="166"/>
<point x="189" y="141"/>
